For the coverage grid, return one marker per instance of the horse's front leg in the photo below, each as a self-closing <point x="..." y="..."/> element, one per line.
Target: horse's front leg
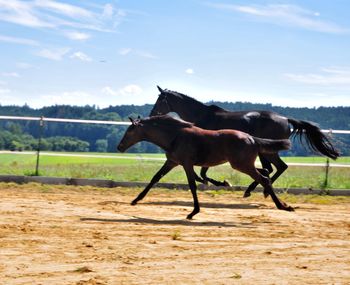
<point x="192" y="183"/>
<point x="168" y="165"/>
<point x="207" y="179"/>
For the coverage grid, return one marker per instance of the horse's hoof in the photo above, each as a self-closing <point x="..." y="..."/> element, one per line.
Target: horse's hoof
<point x="290" y="209"/>
<point x="246" y="194"/>
<point x="189" y="217"/>
<point x="287" y="208"/>
<point x="266" y="194"/>
<point x="227" y="184"/>
<point x="133" y="203"/>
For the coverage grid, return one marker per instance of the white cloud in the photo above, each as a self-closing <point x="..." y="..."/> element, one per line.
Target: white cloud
<point x="128" y="90"/>
<point x="77" y="36"/>
<point x="56" y="54"/>
<point x="75" y="98"/>
<point x="15" y="40"/>
<point x="11" y="74"/>
<point x="189" y="71"/>
<point x="23" y="65"/>
<point x="56" y="14"/>
<point x="145" y="54"/>
<point x="329" y="76"/>
<point x="4" y="91"/>
<point x="63" y="9"/>
<point x="124" y="51"/>
<point x="131" y="89"/>
<point x="286" y="15"/>
<point x="140" y="53"/>
<point x="21" y="13"/>
<point x="81" y="56"/>
<point x="109" y="91"/>
<point x="108" y="10"/>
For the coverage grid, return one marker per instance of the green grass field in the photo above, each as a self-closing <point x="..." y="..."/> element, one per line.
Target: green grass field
<point x="142" y="169"/>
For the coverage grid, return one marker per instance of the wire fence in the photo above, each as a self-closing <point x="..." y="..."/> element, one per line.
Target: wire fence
<point x="41" y="121"/>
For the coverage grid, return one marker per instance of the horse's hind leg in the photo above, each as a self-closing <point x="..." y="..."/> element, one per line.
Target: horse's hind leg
<point x="266" y="183"/>
<point x="265" y="165"/>
<point x="168" y="165"/>
<point x="204" y="171"/>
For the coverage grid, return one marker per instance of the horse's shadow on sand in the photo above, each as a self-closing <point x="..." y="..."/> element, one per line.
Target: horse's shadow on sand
<point x="139" y="220"/>
<point x="208" y="205"/>
<point x="191" y="223"/>
<point x="247" y="206"/>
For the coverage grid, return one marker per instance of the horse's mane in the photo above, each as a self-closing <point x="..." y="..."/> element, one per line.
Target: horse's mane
<point x="187" y="98"/>
<point x="167" y="121"/>
<point x="216" y="108"/>
<point x="181" y="96"/>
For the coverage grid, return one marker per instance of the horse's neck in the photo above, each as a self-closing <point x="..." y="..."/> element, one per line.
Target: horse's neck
<point x="189" y="109"/>
<point x="162" y="137"/>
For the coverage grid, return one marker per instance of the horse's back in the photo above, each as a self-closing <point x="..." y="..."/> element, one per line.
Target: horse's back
<point x="265" y="124"/>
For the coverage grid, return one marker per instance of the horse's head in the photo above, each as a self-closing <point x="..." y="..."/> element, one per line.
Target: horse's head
<point x="186" y="107"/>
<point x="132" y="135"/>
<point x="161" y="107"/>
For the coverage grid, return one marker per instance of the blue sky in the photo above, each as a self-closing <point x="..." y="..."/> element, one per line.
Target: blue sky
<point x="288" y="53"/>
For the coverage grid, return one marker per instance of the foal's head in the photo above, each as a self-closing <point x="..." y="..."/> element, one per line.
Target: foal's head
<point x="158" y="129"/>
<point x="133" y="135"/>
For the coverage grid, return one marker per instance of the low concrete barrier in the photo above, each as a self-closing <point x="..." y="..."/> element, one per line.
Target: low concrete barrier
<point x="110" y="184"/>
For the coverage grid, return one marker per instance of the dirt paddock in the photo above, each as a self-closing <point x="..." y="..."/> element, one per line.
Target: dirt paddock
<point x="84" y="235"/>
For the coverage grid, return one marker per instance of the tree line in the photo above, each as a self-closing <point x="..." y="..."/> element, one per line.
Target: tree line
<point x="23" y="135"/>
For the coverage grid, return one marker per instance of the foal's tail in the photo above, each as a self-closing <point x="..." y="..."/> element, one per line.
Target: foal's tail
<point x="271" y="146"/>
<point x="311" y="135"/>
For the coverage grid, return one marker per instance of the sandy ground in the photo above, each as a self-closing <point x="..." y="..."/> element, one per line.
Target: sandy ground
<point x="80" y="235"/>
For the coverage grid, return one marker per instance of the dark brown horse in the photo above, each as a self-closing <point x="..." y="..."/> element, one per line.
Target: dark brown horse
<point x="263" y="124"/>
<point x="187" y="145"/>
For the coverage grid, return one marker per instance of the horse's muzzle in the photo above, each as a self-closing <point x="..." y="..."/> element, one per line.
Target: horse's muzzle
<point x="121" y="147"/>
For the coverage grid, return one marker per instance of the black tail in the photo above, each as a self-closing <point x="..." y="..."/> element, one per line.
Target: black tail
<point x="311" y="135"/>
<point x="271" y="146"/>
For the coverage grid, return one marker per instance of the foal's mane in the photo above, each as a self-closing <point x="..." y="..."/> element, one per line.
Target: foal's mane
<point x="167" y="121"/>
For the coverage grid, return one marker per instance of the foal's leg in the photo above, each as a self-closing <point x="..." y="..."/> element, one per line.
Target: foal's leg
<point x="264" y="172"/>
<point x="280" y="165"/>
<point x="265" y="165"/>
<point x="192" y="183"/>
<point x="199" y="179"/>
<point x="204" y="171"/>
<point x="266" y="183"/>
<point x="168" y="165"/>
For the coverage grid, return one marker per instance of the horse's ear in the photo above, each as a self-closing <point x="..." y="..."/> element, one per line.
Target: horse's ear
<point x="132" y="121"/>
<point x="160" y="89"/>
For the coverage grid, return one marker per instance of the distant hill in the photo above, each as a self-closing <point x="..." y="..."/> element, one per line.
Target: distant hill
<point x="82" y="137"/>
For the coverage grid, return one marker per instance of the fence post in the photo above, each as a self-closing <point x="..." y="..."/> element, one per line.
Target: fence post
<point x="325" y="184"/>
<point x="41" y="128"/>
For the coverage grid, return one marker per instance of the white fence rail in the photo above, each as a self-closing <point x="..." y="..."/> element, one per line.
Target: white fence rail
<point x="64" y="120"/>
<point x="59" y="120"/>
